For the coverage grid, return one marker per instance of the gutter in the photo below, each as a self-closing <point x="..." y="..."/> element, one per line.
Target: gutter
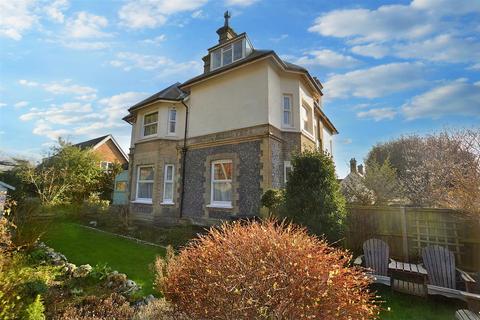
<point x="184" y="156"/>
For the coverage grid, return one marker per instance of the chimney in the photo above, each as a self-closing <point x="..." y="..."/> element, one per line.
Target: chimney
<point x="206" y="63"/>
<point x="353" y="165"/>
<point x="360" y="169"/>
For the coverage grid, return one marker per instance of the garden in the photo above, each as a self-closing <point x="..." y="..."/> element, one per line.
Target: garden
<point x="70" y="255"/>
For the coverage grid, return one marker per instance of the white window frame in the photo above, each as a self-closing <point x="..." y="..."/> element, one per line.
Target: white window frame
<point x="305" y="106"/>
<point x="226" y="48"/>
<point x="108" y="166"/>
<point x="144" y="200"/>
<point x="169" y="121"/>
<point x="165" y="181"/>
<point x="219" y="204"/>
<point x="149" y="124"/>
<point x="290" y="97"/>
<point x="286" y="164"/>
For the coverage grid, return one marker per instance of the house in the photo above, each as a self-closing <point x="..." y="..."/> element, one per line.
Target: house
<point x="206" y="149"/>
<point x="4" y="187"/>
<point x="107" y="149"/>
<point x="353" y="186"/>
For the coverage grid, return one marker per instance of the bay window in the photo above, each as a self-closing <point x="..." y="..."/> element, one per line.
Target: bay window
<point x="145" y="177"/>
<point x="172" y="121"/>
<point x="221" y="188"/>
<point x="306" y="115"/>
<point x="168" y="183"/>
<point x="150" y="124"/>
<point x="287" y="110"/>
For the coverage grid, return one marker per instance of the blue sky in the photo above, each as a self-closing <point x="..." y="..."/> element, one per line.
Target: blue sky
<point x="71" y="68"/>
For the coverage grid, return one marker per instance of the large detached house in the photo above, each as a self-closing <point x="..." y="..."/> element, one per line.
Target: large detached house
<point x="208" y="148"/>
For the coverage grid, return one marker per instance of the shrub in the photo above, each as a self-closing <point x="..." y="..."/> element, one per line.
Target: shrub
<point x="272" y="199"/>
<point x="35" y="310"/>
<point x="159" y="309"/>
<point x="264" y="270"/>
<point x="313" y="197"/>
<point x="114" y="306"/>
<point x="35" y="287"/>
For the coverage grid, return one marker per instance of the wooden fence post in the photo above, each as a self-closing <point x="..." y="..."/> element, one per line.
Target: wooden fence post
<point x="403" y="218"/>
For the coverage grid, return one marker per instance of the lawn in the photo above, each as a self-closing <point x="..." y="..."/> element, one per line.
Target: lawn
<point x="81" y="245"/>
<point x="403" y="306"/>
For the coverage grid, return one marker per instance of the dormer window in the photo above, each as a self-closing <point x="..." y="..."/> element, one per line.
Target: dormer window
<point x="229" y="53"/>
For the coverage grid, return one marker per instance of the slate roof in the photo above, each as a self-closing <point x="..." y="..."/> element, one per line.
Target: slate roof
<point x="175" y="93"/>
<point x="172" y="93"/>
<point x="90" y="143"/>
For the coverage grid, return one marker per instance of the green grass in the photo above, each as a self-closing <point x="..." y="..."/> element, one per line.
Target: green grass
<point x="81" y="246"/>
<point x="403" y="306"/>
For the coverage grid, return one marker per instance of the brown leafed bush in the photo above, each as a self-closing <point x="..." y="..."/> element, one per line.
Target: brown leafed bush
<point x="264" y="270"/>
<point x="113" y="307"/>
<point x="159" y="309"/>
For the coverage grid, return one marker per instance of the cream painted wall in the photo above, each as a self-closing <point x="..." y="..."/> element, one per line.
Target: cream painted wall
<point x="162" y="109"/>
<point x="278" y="85"/>
<point x="237" y="99"/>
<point x="251" y="95"/>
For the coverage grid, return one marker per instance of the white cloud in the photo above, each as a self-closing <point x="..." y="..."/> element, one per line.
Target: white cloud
<point x="16" y="17"/>
<point x="378" y="114"/>
<point x="115" y="107"/>
<point x="67" y="88"/>
<point x="2" y="104"/>
<point x="156" y="40"/>
<point x="63" y="114"/>
<point x="153" y="13"/>
<point x="347" y="141"/>
<point x="375" y="82"/>
<point x="457" y="7"/>
<point x="21" y="104"/>
<point x="86" y="26"/>
<point x="442" y="48"/>
<point x="27" y="83"/>
<point x="85" y="45"/>
<point x="431" y="30"/>
<point x="385" y="23"/>
<point x="475" y="67"/>
<point x="456" y="98"/>
<point x="163" y="65"/>
<point x="199" y="14"/>
<point x="240" y="3"/>
<point x="279" y="38"/>
<point x="327" y="58"/>
<point x="374" y="50"/>
<point x="54" y="10"/>
<point x="43" y="129"/>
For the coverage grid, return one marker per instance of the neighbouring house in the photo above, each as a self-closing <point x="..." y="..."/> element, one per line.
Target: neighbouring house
<point x="4" y="187"/>
<point x="107" y="149"/>
<point x="206" y="149"/>
<point x="353" y="186"/>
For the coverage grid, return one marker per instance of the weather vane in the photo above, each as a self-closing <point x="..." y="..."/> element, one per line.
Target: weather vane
<point x="227" y="16"/>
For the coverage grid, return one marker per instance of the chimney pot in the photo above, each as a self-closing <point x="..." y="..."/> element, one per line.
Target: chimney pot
<point x="360" y="169"/>
<point x="353" y="165"/>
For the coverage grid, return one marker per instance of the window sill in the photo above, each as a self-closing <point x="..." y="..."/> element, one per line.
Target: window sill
<point x="220" y="206"/>
<point x="167" y="203"/>
<point x="308" y="135"/>
<point x="142" y="201"/>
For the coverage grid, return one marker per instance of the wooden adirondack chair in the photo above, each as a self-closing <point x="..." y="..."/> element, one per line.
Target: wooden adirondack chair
<point x="375" y="257"/>
<point x="444" y="278"/>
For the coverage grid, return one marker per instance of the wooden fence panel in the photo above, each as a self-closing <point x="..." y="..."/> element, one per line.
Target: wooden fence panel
<point x="407" y="230"/>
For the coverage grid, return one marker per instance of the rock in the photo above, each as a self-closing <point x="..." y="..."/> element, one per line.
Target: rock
<point x="93" y="223"/>
<point x="69" y="268"/>
<point x="82" y="271"/>
<point x="149" y="299"/>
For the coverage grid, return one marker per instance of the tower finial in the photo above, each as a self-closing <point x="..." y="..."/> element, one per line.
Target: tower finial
<point x="227" y="16"/>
